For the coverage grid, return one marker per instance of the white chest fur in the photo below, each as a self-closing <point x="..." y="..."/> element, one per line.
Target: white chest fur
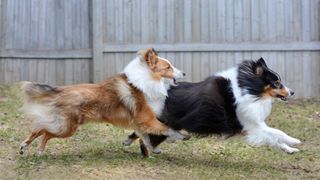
<point x="252" y="112"/>
<point x="156" y="104"/>
<point x="155" y="91"/>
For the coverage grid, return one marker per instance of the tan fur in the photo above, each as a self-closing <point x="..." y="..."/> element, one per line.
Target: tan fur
<point x="273" y="92"/>
<point x="113" y="101"/>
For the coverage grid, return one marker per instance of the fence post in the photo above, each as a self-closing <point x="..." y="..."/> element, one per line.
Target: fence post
<point x="97" y="40"/>
<point x="1" y="22"/>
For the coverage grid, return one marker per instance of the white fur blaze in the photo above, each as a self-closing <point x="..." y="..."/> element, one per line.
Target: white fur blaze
<point x="126" y="96"/>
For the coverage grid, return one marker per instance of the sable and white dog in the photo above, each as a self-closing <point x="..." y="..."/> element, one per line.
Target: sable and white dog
<point x="131" y="99"/>
<point x="230" y="102"/>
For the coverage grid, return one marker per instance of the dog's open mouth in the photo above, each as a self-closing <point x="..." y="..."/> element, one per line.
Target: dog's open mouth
<point x="174" y="82"/>
<point x="282" y="97"/>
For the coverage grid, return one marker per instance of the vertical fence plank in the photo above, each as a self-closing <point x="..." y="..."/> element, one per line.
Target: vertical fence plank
<point x="255" y="20"/>
<point x="204" y="21"/>
<point x="229" y="18"/>
<point x="179" y="19"/>
<point x="237" y="19"/>
<point x="145" y="11"/>
<point x="306" y="20"/>
<point x="162" y="28"/>
<point x="187" y="22"/>
<point x="314" y="19"/>
<point x="170" y="21"/>
<point x="297" y="22"/>
<point x="136" y="21"/>
<point x="246" y="28"/>
<point x="1" y="24"/>
<point x="97" y="39"/>
<point x="196" y="21"/>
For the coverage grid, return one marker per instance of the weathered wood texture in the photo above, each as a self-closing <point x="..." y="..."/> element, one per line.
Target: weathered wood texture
<point x="45" y="40"/>
<point x="72" y="41"/>
<point x="206" y="36"/>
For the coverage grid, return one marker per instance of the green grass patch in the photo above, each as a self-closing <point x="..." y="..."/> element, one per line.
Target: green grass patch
<point x="96" y="151"/>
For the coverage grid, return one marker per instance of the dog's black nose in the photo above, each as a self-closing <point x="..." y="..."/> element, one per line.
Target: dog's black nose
<point x="291" y="93"/>
<point x="184" y="74"/>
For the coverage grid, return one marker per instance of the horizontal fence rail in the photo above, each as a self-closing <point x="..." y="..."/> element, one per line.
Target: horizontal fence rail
<point x="46" y="53"/>
<point x="212" y="47"/>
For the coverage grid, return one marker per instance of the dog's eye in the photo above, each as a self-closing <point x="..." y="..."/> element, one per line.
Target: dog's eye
<point x="277" y="83"/>
<point x="168" y="67"/>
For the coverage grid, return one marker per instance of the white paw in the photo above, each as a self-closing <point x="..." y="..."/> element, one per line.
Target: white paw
<point x="175" y="135"/>
<point x="39" y="153"/>
<point x="170" y="140"/>
<point x="293" y="141"/>
<point x="156" y="150"/>
<point x="288" y="149"/>
<point x="127" y="142"/>
<point x="23" y="147"/>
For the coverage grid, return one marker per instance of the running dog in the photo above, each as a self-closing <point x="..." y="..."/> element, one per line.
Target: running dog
<point x="131" y="99"/>
<point x="234" y="101"/>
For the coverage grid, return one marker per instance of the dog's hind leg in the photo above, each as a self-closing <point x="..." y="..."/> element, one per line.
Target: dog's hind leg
<point x="130" y="139"/>
<point x="44" y="139"/>
<point x="24" y="145"/>
<point x="143" y="148"/>
<point x="154" y="126"/>
<point x="153" y="141"/>
<point x="146" y="122"/>
<point x="146" y="144"/>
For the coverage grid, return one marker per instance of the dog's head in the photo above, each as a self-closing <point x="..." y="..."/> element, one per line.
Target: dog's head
<point x="273" y="86"/>
<point x="256" y="78"/>
<point x="160" y="67"/>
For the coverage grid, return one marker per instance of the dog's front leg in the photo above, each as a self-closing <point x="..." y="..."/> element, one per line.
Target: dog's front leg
<point x="283" y="140"/>
<point x="262" y="134"/>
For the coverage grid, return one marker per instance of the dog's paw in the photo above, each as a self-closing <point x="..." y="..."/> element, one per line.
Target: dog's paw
<point x="127" y="142"/>
<point x="156" y="150"/>
<point x="23" y="148"/>
<point x="39" y="153"/>
<point x="293" y="141"/>
<point x="170" y="140"/>
<point x="186" y="137"/>
<point x="176" y="135"/>
<point x="288" y="149"/>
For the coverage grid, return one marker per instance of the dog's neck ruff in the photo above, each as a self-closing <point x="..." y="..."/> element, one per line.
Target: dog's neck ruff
<point x="139" y="75"/>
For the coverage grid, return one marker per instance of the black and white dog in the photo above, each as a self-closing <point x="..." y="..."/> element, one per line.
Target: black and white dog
<point x="234" y="101"/>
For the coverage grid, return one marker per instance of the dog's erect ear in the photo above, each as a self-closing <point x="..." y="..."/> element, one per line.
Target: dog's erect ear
<point x="149" y="56"/>
<point x="261" y="62"/>
<point x="259" y="71"/>
<point x="260" y="66"/>
<point x="155" y="52"/>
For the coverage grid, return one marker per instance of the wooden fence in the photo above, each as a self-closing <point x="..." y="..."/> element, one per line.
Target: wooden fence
<point x="74" y="41"/>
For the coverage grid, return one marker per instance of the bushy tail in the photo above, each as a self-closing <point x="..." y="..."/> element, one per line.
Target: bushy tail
<point x="39" y="107"/>
<point x="35" y="90"/>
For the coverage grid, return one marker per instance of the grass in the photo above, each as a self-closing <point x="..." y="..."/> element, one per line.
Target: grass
<point x="96" y="151"/>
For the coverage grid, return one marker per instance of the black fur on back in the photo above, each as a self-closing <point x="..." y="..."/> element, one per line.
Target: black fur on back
<point x="203" y="108"/>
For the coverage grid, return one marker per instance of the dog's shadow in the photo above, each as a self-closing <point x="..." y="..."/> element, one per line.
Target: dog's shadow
<point x="120" y="156"/>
